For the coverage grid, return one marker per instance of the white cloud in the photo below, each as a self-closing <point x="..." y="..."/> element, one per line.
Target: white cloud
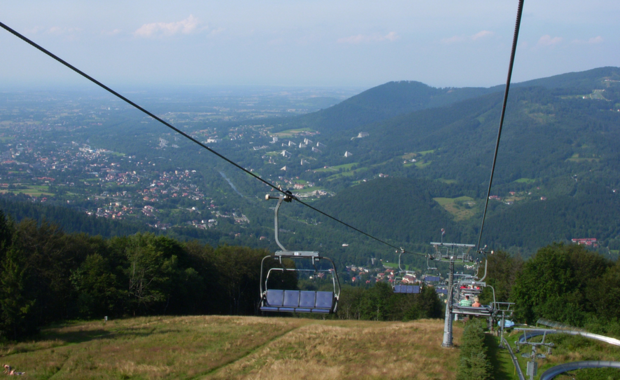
<point x="155" y="29"/>
<point x="111" y="32"/>
<point x="58" y="30"/>
<point x="482" y="34"/>
<point x="36" y="30"/>
<point x="361" y="38"/>
<point x="591" y="41"/>
<point x="391" y="36"/>
<point x="453" y="39"/>
<point x="217" y="31"/>
<point x="547" y="40"/>
<point x="478" y="36"/>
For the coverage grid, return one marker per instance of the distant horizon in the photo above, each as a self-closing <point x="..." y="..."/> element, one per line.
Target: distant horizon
<point x="239" y="88"/>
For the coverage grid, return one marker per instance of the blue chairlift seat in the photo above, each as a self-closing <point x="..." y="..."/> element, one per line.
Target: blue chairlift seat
<point x="407" y="289"/>
<point x="296" y="301"/>
<point x="442" y="291"/>
<point x="483" y="311"/>
<point x="432" y="279"/>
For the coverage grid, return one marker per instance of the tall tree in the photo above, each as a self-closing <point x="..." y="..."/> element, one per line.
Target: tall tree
<point x="15" y="307"/>
<point x="553" y="284"/>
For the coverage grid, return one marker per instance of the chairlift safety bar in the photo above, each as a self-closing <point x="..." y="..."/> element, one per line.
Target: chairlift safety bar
<point x="301" y="254"/>
<point x="453" y="244"/>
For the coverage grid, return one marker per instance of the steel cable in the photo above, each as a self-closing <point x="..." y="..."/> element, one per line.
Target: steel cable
<point x="501" y="120"/>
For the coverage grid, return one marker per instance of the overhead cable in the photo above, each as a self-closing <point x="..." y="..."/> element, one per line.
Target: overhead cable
<point x="501" y="120"/>
<point x="58" y="59"/>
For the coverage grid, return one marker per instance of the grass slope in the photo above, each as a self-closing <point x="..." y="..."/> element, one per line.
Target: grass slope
<point x="237" y="348"/>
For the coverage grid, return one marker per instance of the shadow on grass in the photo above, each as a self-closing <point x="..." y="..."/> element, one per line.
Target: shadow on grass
<point x="499" y="370"/>
<point x="81" y="336"/>
<point x="78" y="336"/>
<point x="56" y="339"/>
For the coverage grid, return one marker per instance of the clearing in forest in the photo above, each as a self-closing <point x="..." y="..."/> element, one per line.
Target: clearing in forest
<point x="462" y="208"/>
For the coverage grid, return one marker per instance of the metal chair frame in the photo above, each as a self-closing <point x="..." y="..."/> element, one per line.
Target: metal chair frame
<point x="294" y="255"/>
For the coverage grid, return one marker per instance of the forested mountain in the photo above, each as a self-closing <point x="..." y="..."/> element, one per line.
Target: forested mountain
<point x="544" y="135"/>
<point x="582" y="80"/>
<point x="394" y="208"/>
<point x="556" y="178"/>
<point x="423" y="165"/>
<point x="381" y="103"/>
<point x="402" y="97"/>
<point x="588" y="212"/>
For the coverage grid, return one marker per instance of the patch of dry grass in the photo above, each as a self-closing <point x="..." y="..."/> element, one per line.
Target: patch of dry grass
<point x="351" y="350"/>
<point x="237" y="348"/>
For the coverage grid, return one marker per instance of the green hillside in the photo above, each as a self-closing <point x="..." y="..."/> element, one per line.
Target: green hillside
<point x="545" y="136"/>
<point x="399" y="209"/>
<point x="556" y="147"/>
<point x="589" y="79"/>
<point x="589" y="212"/>
<point x="381" y="103"/>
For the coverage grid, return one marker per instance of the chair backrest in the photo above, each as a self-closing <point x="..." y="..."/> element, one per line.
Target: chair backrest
<point x="295" y="301"/>
<point x="275" y="297"/>
<point x="291" y="298"/>
<point x="407" y="289"/>
<point x="324" y="300"/>
<point x="307" y="299"/>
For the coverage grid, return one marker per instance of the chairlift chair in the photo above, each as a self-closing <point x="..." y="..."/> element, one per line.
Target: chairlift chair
<point x="429" y="277"/>
<point x="452" y="251"/>
<point x="402" y="288"/>
<point x="480" y="311"/>
<point x="293" y="300"/>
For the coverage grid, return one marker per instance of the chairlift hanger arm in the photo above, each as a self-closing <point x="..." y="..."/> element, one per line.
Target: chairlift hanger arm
<point x="282" y="198"/>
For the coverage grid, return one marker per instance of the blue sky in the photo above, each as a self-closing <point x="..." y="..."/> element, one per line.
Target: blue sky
<point x="305" y="42"/>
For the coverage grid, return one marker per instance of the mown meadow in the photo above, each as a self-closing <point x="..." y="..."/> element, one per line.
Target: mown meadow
<point x="226" y="347"/>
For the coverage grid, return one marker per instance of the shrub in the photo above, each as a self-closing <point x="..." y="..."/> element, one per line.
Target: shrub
<point x="474" y="363"/>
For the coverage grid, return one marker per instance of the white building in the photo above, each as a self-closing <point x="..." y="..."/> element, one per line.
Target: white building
<point x="348" y="154"/>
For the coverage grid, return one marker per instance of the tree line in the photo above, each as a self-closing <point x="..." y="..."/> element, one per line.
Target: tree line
<point x="48" y="276"/>
<point x="566" y="283"/>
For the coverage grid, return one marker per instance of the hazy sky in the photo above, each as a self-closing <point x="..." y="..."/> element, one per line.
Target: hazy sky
<point x="305" y="42"/>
